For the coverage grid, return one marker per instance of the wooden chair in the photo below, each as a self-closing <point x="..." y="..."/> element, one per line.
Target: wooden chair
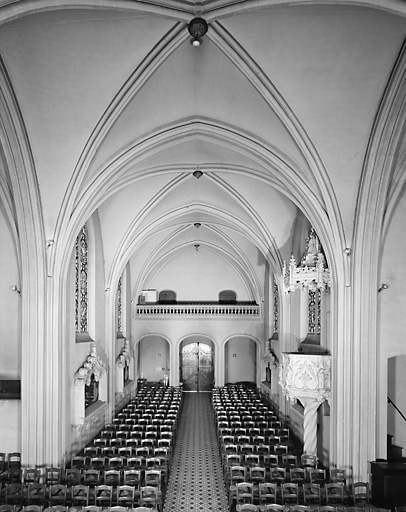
<point x="32" y="476"/>
<point x="52" y="476"/>
<point x="57" y="494"/>
<point x="317" y="476"/>
<point x="91" y="477"/>
<point x="103" y="495"/>
<point x="273" y="507"/>
<point x="311" y="493"/>
<point x="308" y="461"/>
<point x="57" y="508"/>
<point x="7" y="508"/>
<point x="14" y="493"/>
<point x="73" y="476"/>
<point x="112" y="477"/>
<point x="278" y="475"/>
<point x="36" y="494"/>
<point x="247" y="507"/>
<point x="125" y="496"/>
<point x="297" y="475"/>
<point x="78" y="461"/>
<point x="337" y="475"/>
<point x="132" y="477"/>
<point x="299" y="508"/>
<point x="33" y="508"/>
<point x="360" y="493"/>
<point x="149" y="497"/>
<point x="289" y="493"/>
<point x="267" y="494"/>
<point x="334" y="493"/>
<point x="79" y="495"/>
<point x="244" y="494"/>
<point x="237" y="474"/>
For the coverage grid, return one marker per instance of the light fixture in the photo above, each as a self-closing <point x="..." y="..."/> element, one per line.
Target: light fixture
<point x="348" y="251"/>
<point x="197" y="247"/>
<point x="383" y="286"/>
<point x="197" y="29"/>
<point x="198" y="174"/>
<point x="50" y="243"/>
<point x="14" y="288"/>
<point x="197" y="224"/>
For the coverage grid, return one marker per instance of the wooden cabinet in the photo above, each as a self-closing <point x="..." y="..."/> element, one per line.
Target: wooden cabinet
<point x="388" y="484"/>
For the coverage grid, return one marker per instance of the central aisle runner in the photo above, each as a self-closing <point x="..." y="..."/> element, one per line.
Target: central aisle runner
<point x="196" y="480"/>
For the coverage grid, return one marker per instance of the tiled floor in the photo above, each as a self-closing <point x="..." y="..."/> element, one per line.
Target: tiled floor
<point x="196" y="481"/>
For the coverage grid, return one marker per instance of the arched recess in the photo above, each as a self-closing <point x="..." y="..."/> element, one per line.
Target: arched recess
<point x="152" y="354"/>
<point x="197" y="363"/>
<point x="241" y="361"/>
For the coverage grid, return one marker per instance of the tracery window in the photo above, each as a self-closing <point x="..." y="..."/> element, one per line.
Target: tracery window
<point x="275" y="307"/>
<point x="119" y="306"/>
<point x="81" y="281"/>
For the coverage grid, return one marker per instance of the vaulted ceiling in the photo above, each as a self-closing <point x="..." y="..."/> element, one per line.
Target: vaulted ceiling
<point x="275" y="108"/>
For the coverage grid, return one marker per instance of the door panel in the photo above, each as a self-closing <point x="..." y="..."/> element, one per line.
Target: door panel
<point x="197" y="367"/>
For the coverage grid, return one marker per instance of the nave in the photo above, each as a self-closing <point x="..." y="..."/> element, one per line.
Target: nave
<point x="176" y="451"/>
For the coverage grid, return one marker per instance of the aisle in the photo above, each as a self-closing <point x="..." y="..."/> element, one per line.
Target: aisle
<point x="196" y="481"/>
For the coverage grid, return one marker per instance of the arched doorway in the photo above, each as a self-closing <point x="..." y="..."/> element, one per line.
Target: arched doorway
<point x="197" y="366"/>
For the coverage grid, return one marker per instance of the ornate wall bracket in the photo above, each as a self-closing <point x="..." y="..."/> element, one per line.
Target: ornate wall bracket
<point x="92" y="366"/>
<point x="307" y="378"/>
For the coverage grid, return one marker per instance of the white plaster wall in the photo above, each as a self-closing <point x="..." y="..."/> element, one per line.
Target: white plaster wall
<point x="240" y="360"/>
<point x="10" y="440"/>
<point x="153" y="357"/>
<point x="10" y="306"/>
<point x="391" y="331"/>
<point x="199" y="276"/>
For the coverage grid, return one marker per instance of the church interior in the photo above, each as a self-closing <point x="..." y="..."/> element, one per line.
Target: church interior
<point x="201" y="197"/>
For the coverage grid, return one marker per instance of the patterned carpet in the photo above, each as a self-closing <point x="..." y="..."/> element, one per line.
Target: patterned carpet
<point x="196" y="481"/>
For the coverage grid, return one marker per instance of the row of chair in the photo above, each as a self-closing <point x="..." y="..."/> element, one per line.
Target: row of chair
<point x="248" y="507"/>
<point x="141" y="492"/>
<point x="308" y="494"/>
<point x="61" y="508"/>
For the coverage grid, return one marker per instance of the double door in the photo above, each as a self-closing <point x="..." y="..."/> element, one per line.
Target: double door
<point x="197" y="367"/>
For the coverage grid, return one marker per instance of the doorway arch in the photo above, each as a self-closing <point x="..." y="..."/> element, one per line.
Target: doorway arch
<point x="196" y="364"/>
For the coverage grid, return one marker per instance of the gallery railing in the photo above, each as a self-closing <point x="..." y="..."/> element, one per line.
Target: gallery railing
<point x="222" y="310"/>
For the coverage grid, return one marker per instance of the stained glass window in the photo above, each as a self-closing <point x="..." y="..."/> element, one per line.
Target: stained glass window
<point x="118" y="302"/>
<point x="275" y="307"/>
<point x="81" y="282"/>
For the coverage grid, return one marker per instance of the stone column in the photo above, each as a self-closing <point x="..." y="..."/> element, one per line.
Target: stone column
<point x="307" y="377"/>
